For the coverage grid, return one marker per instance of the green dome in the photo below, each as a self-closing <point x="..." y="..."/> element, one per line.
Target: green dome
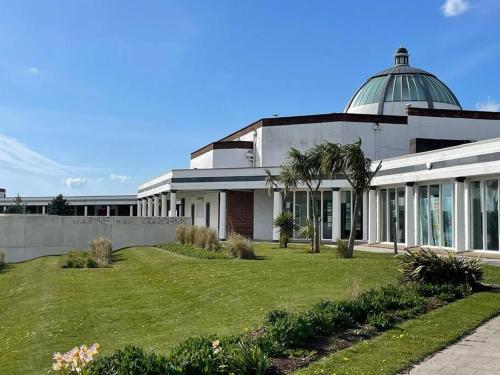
<point x="390" y="91"/>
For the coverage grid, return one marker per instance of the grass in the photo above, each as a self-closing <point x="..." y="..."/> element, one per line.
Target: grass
<point x="194" y="252"/>
<point x="411" y="341"/>
<point x="155" y="298"/>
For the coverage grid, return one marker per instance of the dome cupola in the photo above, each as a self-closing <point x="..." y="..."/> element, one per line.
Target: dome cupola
<point x="390" y="91"/>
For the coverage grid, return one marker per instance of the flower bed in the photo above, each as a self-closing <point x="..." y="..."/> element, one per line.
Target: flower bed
<point x="287" y="341"/>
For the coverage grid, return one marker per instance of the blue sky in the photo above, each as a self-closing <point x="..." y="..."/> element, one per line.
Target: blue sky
<point x="98" y="96"/>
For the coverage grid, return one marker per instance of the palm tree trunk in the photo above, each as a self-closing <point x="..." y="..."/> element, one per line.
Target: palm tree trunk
<point x="354" y="223"/>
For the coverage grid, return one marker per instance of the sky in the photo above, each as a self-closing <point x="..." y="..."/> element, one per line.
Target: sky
<point x="98" y="96"/>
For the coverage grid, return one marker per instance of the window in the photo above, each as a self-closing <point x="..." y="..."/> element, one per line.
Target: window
<point x="435" y="224"/>
<point x="192" y="214"/>
<point x="423" y="210"/>
<point x="207" y="214"/>
<point x="392" y="215"/>
<point x="383" y="216"/>
<point x="300" y="209"/>
<point x="345" y="214"/>
<point x="401" y="215"/>
<point x="476" y="216"/>
<point x="327" y="215"/>
<point x="447" y="213"/>
<point x="491" y="214"/>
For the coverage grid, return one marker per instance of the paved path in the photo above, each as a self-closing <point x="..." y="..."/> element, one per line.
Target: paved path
<point x="477" y="354"/>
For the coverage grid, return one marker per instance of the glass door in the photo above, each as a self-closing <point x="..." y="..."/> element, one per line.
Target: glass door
<point x="327" y="218"/>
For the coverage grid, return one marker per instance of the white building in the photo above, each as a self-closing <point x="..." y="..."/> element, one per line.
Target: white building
<point x="437" y="181"/>
<point x="439" y="177"/>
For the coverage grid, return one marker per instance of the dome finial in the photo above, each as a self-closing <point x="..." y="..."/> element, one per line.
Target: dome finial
<point x="401" y="56"/>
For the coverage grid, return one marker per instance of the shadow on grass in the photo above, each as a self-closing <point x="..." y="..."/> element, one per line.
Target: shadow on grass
<point x="6" y="268"/>
<point x="117" y="257"/>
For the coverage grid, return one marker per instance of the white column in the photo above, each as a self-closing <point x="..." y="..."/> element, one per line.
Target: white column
<point x="409" y="214"/>
<point x="139" y="207"/>
<point x="144" y="211"/>
<point x="277" y="208"/>
<point x="372" y="221"/>
<point x="43" y="210"/>
<point x="459" y="219"/>
<point x="173" y="203"/>
<point x="335" y="214"/>
<point x="108" y="210"/>
<point x="86" y="210"/>
<point x="164" y="212"/>
<point x="365" y="216"/>
<point x="156" y="206"/>
<point x="222" y="215"/>
<point x="131" y="210"/>
<point x="150" y="206"/>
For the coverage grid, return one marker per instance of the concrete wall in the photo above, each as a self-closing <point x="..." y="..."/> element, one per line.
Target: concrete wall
<point x="262" y="215"/>
<point x="24" y="237"/>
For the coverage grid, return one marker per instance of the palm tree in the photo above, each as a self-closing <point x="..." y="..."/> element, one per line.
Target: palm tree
<point x="357" y="169"/>
<point x="305" y="168"/>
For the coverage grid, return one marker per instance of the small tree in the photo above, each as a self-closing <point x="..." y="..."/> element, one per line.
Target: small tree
<point x="18" y="207"/>
<point x="305" y="168"/>
<point x="59" y="206"/>
<point x="283" y="221"/>
<point x="359" y="173"/>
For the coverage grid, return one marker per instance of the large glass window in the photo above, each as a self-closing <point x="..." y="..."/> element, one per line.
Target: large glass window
<point x="288" y="202"/>
<point x="383" y="215"/>
<point x="401" y="215"/>
<point x="327" y="215"/>
<point x="491" y="214"/>
<point x="300" y="209"/>
<point x="423" y="211"/>
<point x="435" y="229"/>
<point x="345" y="214"/>
<point x="476" y="216"/>
<point x="392" y="214"/>
<point x="447" y="213"/>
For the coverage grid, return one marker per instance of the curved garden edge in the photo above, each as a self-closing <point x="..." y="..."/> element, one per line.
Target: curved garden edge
<point x="399" y="348"/>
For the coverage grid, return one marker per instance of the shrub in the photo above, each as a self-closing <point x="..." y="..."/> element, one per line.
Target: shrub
<point x="425" y="266"/>
<point x="2" y="259"/>
<point x="194" y="252"/>
<point x="211" y="239"/>
<point x="329" y="316"/>
<point x="240" y="246"/>
<point x="101" y="249"/>
<point x="249" y="359"/>
<point x="380" y="321"/>
<point x="342" y="249"/>
<point x="131" y="360"/>
<point x="198" y="356"/>
<point x="180" y="233"/>
<point x="190" y="235"/>
<point x="286" y="330"/>
<point x="78" y="259"/>
<point x="444" y="292"/>
<point x="199" y="237"/>
<point x="285" y="222"/>
<point x="307" y="232"/>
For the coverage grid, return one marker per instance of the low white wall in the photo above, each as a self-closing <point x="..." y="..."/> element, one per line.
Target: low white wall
<point x="24" y="237"/>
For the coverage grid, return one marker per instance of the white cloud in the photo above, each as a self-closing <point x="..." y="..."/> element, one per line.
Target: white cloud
<point x="33" y="70"/>
<point x="489" y="105"/>
<point x="452" y="8"/>
<point x="120" y="178"/>
<point x="18" y="157"/>
<point x="75" y="183"/>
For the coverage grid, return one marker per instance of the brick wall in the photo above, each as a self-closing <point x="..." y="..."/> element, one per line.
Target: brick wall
<point x="239" y="213"/>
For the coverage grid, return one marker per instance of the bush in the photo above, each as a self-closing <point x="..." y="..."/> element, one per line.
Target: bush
<point x="131" y="360"/>
<point x="286" y="330"/>
<point x="78" y="259"/>
<point x="200" y="237"/>
<point x="285" y="222"/>
<point x="425" y="266"/>
<point x="380" y="321"/>
<point x="329" y="317"/>
<point x="240" y="246"/>
<point x="444" y="292"/>
<point x="198" y="356"/>
<point x="2" y="259"/>
<point x="342" y="249"/>
<point x="180" y="233"/>
<point x="101" y="249"/>
<point x="249" y="359"/>
<point x="194" y="252"/>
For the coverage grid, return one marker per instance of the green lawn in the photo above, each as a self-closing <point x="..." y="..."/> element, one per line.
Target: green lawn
<point x="154" y="298"/>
